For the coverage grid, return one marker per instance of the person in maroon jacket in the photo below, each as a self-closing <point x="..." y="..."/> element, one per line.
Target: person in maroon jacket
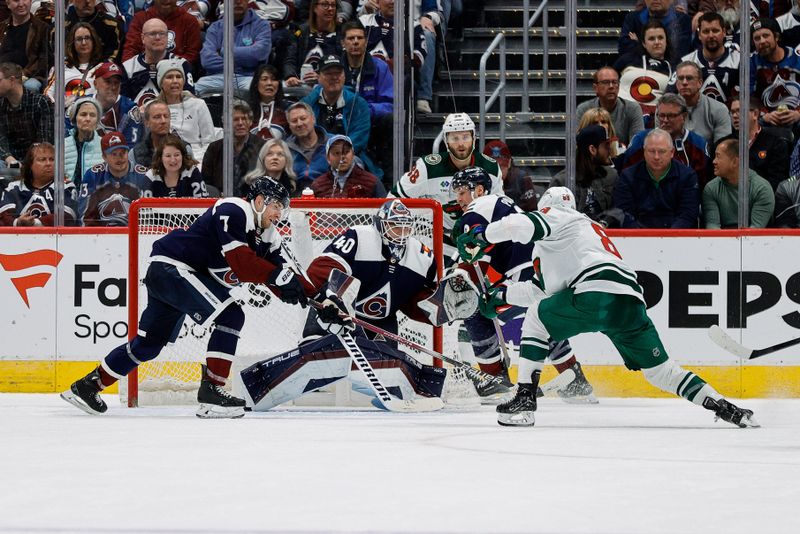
<point x="345" y="179"/>
<point x="183" y="33"/>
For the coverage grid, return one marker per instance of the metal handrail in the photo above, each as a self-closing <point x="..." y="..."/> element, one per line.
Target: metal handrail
<point x="499" y="92"/>
<point x="540" y="11"/>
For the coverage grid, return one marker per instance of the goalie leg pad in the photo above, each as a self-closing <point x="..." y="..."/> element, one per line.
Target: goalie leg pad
<point x="287" y="376"/>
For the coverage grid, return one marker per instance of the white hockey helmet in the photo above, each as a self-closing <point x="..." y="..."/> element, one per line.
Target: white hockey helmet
<point x="557" y="196"/>
<point x="458" y="122"/>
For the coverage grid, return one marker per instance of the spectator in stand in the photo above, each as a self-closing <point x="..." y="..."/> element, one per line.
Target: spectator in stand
<point x="189" y="115"/>
<point x="252" y="43"/>
<point x="603" y="118"/>
<point x="518" y="185"/>
<point x="658" y="192"/>
<point x="120" y="113"/>
<point x="30" y="201"/>
<point x="595" y="178"/>
<point x="268" y="104"/>
<point x="707" y="117"/>
<point x="718" y="62"/>
<point x="678" y="25"/>
<point x="109" y="188"/>
<point x="690" y="148"/>
<point x="773" y="68"/>
<point x="645" y="76"/>
<point x="157" y="127"/>
<point x="339" y="110"/>
<point x="787" y="203"/>
<point x="319" y="37"/>
<point x="721" y="195"/>
<point x="174" y="172"/>
<point x="82" y="54"/>
<point x="307" y="143"/>
<point x="245" y="149"/>
<point x="276" y="161"/>
<point x="142" y="81"/>
<point x="379" y="26"/>
<point x="184" y="33"/>
<point x="345" y="179"/>
<point x="107" y="27"/>
<point x="26" y="117"/>
<point x="790" y="25"/>
<point x="770" y="8"/>
<point x="429" y="21"/>
<point x="625" y="114"/>
<point x="24" y="42"/>
<point x="769" y="153"/>
<point x="199" y="9"/>
<point x="82" y="146"/>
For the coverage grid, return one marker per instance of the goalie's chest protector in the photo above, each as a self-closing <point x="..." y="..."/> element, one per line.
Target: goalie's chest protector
<point x="386" y="286"/>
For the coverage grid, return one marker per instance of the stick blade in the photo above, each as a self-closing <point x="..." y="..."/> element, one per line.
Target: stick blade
<point x="721" y="338"/>
<point x="416" y="405"/>
<point x="559" y="382"/>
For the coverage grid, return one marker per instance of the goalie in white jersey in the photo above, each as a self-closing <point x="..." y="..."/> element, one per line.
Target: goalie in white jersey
<point x="583" y="285"/>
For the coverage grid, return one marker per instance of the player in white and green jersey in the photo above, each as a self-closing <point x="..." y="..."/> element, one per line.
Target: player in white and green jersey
<point x="583" y="286"/>
<point x="431" y="175"/>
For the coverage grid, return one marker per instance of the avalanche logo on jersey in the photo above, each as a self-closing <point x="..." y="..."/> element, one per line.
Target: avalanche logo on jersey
<point x="225" y="276"/>
<point x="114" y="209"/>
<point x="36" y="206"/>
<point x="781" y="92"/>
<point x="713" y="89"/>
<point x="377" y="305"/>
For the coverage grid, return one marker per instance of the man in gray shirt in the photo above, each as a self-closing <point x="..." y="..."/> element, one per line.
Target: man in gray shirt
<point x="626" y="115"/>
<point x="707" y="117"/>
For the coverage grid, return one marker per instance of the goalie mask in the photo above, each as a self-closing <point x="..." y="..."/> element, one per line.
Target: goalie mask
<point x="395" y="223"/>
<point x="557" y="196"/>
<point x="458" y="123"/>
<point x="272" y="191"/>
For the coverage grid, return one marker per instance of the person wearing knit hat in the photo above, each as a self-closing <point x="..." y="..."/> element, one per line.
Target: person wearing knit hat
<point x="82" y="144"/>
<point x="775" y="78"/>
<point x="189" y="115"/>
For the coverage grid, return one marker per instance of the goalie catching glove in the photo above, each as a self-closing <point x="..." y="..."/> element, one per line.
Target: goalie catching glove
<point x="333" y="317"/>
<point x="287" y="286"/>
<point x="472" y="244"/>
<point x="455" y="298"/>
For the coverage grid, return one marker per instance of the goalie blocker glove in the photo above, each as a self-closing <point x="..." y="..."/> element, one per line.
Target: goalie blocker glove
<point x="333" y="316"/>
<point x="289" y="288"/>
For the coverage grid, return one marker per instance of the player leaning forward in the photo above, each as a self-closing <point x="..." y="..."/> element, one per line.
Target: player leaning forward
<point x="584" y="286"/>
<point x="191" y="273"/>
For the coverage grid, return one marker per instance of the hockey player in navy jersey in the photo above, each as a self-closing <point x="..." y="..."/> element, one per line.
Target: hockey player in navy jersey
<point x="397" y="273"/>
<point x="582" y="285"/>
<point x="191" y="273"/>
<point x="514" y="261"/>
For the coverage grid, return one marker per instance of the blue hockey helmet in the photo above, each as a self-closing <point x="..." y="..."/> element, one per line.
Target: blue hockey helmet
<point x="395" y="223"/>
<point x="471" y="177"/>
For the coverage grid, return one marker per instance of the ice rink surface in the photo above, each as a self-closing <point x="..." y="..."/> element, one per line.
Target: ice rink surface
<point x="634" y="466"/>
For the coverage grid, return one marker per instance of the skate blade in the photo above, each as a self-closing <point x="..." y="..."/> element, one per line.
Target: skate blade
<point x="76" y="401"/>
<point x="213" y="411"/>
<point x="581" y="399"/>
<point x="516" y="419"/>
<point x="749" y="422"/>
<point x="497" y="398"/>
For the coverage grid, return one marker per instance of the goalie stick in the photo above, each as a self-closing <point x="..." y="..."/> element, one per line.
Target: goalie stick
<point x="392" y="404"/>
<point x="721" y="338"/>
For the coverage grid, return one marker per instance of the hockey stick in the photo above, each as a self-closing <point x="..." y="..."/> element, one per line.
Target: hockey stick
<point x="721" y="338"/>
<point x="392" y="404"/>
<point x="559" y="382"/>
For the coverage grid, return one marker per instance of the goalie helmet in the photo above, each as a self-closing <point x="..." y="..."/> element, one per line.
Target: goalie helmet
<point x="557" y="196"/>
<point x="395" y="223"/>
<point x="272" y="191"/>
<point x="471" y="177"/>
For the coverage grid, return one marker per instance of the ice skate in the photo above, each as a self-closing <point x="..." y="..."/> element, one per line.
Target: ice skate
<point x="215" y="402"/>
<point x="492" y="393"/>
<point x="579" y="391"/>
<point x="85" y="394"/>
<point x="731" y="413"/>
<point x="519" y="410"/>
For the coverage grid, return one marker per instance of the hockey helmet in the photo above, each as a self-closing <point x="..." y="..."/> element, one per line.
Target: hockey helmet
<point x="557" y="196"/>
<point x="272" y="191"/>
<point x="395" y="223"/>
<point x="458" y="122"/>
<point x="471" y="177"/>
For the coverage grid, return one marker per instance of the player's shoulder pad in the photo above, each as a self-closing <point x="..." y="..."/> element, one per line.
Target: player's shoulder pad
<point x="432" y="159"/>
<point x="482" y="206"/>
<point x="418" y="257"/>
<point x="237" y="207"/>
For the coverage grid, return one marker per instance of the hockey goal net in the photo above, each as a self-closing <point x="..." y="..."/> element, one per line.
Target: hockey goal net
<point x="271" y="327"/>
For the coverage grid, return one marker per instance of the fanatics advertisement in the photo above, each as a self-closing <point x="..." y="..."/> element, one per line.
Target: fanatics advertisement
<point x="65" y="298"/>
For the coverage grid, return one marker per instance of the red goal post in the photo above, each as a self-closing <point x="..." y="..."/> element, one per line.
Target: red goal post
<point x="310" y="226"/>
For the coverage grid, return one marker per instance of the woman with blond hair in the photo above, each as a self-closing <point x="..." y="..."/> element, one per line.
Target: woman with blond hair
<point x="274" y="160"/>
<point x="603" y="118"/>
<point x="174" y="173"/>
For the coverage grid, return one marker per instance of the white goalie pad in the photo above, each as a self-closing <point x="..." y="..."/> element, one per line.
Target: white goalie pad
<point x="455" y="299"/>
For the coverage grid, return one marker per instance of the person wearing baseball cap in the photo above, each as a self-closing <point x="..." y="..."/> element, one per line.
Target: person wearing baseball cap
<point x="594" y="176"/>
<point x="109" y="188"/>
<point x="345" y="179"/>
<point x="119" y="113"/>
<point x="518" y="185"/>
<point x="775" y="68"/>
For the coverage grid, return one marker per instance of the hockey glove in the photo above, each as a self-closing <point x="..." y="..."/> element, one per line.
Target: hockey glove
<point x="287" y="286"/>
<point x="472" y="245"/>
<point x="490" y="301"/>
<point x="333" y="316"/>
<point x="453" y="210"/>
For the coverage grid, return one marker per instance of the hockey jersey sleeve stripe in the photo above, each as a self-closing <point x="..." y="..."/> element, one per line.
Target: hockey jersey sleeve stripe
<point x="227" y="247"/>
<point x="247" y="266"/>
<point x="543" y="229"/>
